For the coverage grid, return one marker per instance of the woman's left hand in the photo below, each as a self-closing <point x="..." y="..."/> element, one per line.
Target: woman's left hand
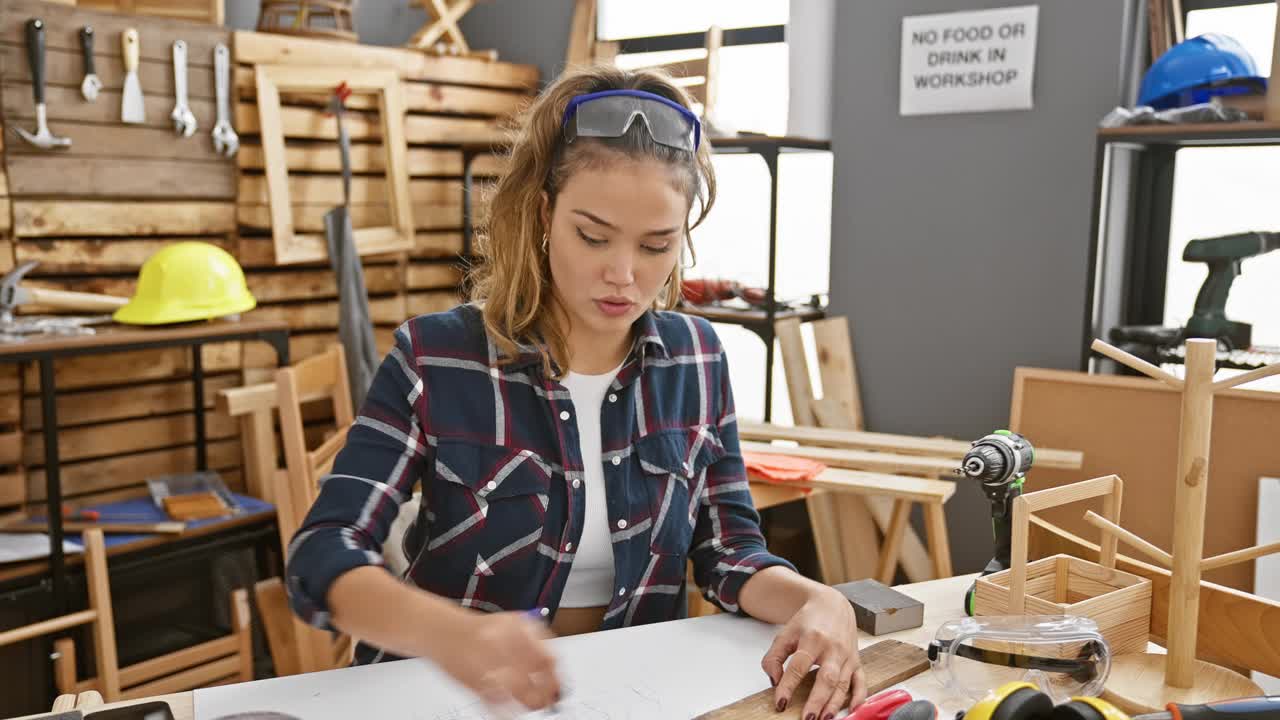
<point x="823" y="632"/>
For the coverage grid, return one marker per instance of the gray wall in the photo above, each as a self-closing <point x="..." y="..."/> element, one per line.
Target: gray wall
<point x="959" y="242"/>
<point x="534" y="32"/>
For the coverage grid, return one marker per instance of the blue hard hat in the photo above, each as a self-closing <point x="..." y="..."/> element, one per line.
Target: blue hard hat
<point x="1196" y="69"/>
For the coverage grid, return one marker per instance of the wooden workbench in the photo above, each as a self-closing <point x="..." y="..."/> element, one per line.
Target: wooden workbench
<point x="943" y="600"/>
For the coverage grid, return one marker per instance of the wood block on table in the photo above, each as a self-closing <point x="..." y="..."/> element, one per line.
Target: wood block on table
<point x="885" y="664"/>
<point x="880" y="609"/>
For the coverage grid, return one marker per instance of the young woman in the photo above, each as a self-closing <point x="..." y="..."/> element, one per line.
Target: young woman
<point x="574" y="445"/>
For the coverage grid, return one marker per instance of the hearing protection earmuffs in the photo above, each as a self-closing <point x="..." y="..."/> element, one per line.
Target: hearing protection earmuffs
<point x="1018" y="701"/>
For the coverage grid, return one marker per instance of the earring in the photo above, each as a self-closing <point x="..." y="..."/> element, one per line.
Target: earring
<point x="545" y="240"/>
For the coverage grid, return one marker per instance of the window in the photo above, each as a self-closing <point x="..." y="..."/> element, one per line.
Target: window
<point x="733" y="243"/>
<point x="1224" y="190"/>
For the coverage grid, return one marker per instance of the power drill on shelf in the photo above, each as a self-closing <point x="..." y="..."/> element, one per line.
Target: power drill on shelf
<point x="999" y="462"/>
<point x="1223" y="255"/>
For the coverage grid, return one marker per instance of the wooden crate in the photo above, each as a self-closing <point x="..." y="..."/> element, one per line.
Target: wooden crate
<point x="1118" y="601"/>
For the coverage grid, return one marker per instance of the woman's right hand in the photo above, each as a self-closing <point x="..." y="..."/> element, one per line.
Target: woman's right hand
<point x="501" y="657"/>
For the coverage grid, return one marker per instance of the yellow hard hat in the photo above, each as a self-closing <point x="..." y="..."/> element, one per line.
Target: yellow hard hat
<point x="187" y="281"/>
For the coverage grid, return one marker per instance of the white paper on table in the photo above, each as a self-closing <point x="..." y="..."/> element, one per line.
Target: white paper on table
<point x="1266" y="570"/>
<point x="15" y="547"/>
<point x="660" y="672"/>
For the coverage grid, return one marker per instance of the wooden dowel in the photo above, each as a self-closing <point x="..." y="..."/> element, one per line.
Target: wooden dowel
<point x="1136" y="363"/>
<point x="1129" y="538"/>
<point x="1248" y="377"/>
<point x="1237" y="556"/>
<point x="48" y="626"/>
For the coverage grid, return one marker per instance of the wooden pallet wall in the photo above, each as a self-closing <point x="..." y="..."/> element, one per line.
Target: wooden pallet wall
<point x="448" y="101"/>
<point x="90" y="215"/>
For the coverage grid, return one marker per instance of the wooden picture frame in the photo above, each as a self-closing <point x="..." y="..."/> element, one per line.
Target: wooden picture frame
<point x="291" y="247"/>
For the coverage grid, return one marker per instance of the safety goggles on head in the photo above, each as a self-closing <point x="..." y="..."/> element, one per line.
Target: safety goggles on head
<point x="1064" y="655"/>
<point x="609" y="114"/>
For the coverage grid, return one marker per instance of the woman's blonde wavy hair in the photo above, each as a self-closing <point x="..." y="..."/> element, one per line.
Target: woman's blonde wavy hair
<point x="512" y="280"/>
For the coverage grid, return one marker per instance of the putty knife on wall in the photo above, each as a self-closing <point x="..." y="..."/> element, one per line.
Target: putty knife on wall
<point x="132" y="108"/>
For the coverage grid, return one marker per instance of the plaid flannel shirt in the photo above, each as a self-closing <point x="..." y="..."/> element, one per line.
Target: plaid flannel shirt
<point x="495" y="450"/>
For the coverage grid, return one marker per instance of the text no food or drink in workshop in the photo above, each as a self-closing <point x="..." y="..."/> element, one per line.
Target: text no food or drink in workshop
<point x="968" y="61"/>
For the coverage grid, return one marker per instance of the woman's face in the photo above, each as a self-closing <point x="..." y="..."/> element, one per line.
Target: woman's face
<point x="615" y="237"/>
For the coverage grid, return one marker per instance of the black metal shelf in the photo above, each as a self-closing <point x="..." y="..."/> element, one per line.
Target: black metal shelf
<point x="1198" y="135"/>
<point x="1149" y="207"/>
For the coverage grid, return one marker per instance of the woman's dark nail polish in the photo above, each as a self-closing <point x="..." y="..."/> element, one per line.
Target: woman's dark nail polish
<point x="810" y="716"/>
<point x="782" y="705"/>
<point x="830" y="716"/>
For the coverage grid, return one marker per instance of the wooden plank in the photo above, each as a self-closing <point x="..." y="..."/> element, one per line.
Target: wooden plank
<point x="422" y="303"/>
<point x="102" y="475"/>
<point x="6" y="242"/>
<point x="836" y="366"/>
<point x="306" y="156"/>
<point x="133" y="366"/>
<point x="861" y="459"/>
<point x="267" y="48"/>
<point x="66" y="68"/>
<point x="41" y="218"/>
<point x="65" y="105"/>
<point x="96" y="255"/>
<point x="125" y="436"/>
<point x="420" y="97"/>
<point x="13" y="489"/>
<point x="10" y="448"/>
<point x="885" y="664"/>
<point x="62" y="31"/>
<point x="210" y="12"/>
<point x="95" y="406"/>
<point x="123" y="142"/>
<point x="10" y="379"/>
<point x="887" y="442"/>
<point x="310" y="218"/>
<point x="315" y="124"/>
<point x="436" y="245"/>
<point x="1070" y="409"/>
<point x="107" y="177"/>
<point x="389" y="310"/>
<point x="910" y="489"/>
<point x="432" y="276"/>
<point x="314" y="284"/>
<point x="796" y="367"/>
<point x="324" y="190"/>
<point x="10" y="409"/>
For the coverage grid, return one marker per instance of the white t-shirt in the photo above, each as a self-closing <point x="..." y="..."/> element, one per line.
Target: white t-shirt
<point x="590" y="582"/>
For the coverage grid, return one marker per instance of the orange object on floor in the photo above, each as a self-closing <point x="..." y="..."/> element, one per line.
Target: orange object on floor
<point x="781" y="468"/>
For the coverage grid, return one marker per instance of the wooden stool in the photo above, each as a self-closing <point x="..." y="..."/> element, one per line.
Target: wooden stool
<point x="298" y="17"/>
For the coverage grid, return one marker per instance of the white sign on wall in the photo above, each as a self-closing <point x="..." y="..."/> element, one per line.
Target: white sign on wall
<point x="968" y="61"/>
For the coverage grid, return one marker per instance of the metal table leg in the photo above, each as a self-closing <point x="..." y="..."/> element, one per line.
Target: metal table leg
<point x="771" y="162"/>
<point x="53" y="484"/>
<point x="197" y="381"/>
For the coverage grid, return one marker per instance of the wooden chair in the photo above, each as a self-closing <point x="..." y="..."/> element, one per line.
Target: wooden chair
<point x="700" y="76"/>
<point x="295" y="646"/>
<point x="224" y="660"/>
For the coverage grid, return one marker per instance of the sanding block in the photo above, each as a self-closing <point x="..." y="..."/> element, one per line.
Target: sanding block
<point x="880" y="609"/>
<point x="884" y="664"/>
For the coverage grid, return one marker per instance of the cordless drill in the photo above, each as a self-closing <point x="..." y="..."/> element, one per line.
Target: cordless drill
<point x="1223" y="255"/>
<point x="999" y="462"/>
